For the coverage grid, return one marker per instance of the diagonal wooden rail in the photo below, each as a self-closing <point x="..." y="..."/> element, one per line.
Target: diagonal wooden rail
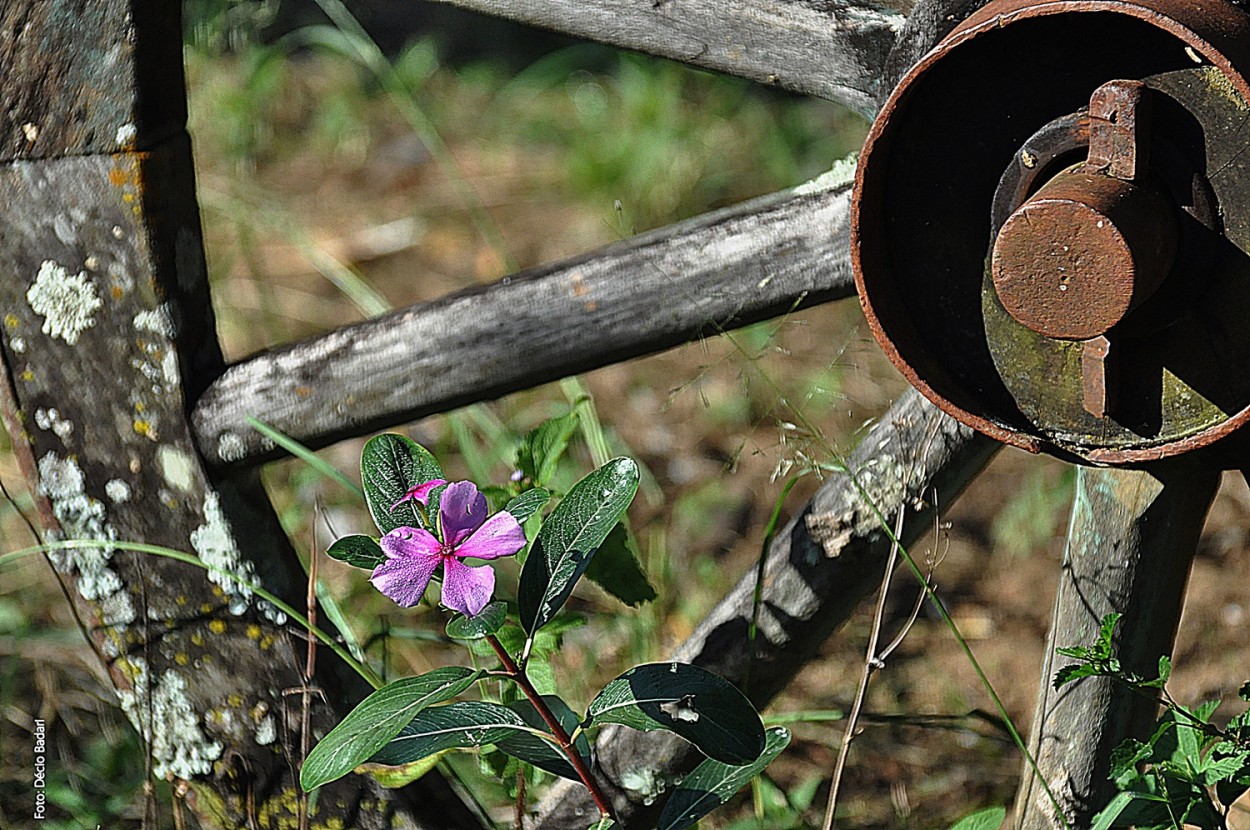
<point x="750" y="262"/>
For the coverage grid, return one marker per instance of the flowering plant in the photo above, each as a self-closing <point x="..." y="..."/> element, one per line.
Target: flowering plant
<point x="430" y="527"/>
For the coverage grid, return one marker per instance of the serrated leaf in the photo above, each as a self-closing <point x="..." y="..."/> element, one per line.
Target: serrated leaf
<point x="539" y="752"/>
<point x="377" y="720"/>
<point x="400" y="776"/>
<point x="527" y="504"/>
<point x="1076" y="652"/>
<point x="542" y="447"/>
<point x="569" y="538"/>
<point x="1067" y="674"/>
<point x="696" y="704"/>
<point x="457" y="725"/>
<point x="713" y="783"/>
<point x="991" y="818"/>
<point x="489" y="620"/>
<point x="360" y="551"/>
<point x="616" y="569"/>
<point x="390" y="466"/>
<point x="1106" y="630"/>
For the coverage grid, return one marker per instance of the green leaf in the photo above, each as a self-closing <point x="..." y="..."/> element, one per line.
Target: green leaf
<point x="1104" y="648"/>
<point x="570" y="537"/>
<point x="527" y="504"/>
<point x="539" y="752"/>
<point x="616" y="570"/>
<point x="713" y="783"/>
<point x="542" y="447"/>
<point x="696" y="704"/>
<point x="390" y="466"/>
<point x="462" y="724"/>
<point x="1067" y="674"/>
<point x="361" y="551"/>
<point x="489" y="620"/>
<point x="1106" y="819"/>
<point x="377" y="720"/>
<point x="400" y="776"/>
<point x="991" y="818"/>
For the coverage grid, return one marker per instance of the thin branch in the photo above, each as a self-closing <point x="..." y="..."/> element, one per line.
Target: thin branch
<point x="553" y="723"/>
<point x="871" y="663"/>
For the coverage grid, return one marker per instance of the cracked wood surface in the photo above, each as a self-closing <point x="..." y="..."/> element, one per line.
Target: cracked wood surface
<point x="1131" y="541"/>
<point x="107" y="332"/>
<point x="831" y="49"/>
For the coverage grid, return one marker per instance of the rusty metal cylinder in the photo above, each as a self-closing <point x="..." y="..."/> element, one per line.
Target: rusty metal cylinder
<point x="1078" y="256"/>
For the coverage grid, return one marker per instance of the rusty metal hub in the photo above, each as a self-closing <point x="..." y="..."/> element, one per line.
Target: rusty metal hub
<point x="1052" y="224"/>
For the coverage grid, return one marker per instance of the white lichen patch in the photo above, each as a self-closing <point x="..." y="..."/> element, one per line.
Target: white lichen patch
<point x="645" y="782"/>
<point x="215" y="546"/>
<point x="168" y="723"/>
<point x="30" y="131"/>
<point x="82" y="517"/>
<point x="842" y="173"/>
<point x="159" y="320"/>
<point x="176" y="467"/>
<point x="50" y="420"/>
<point x="126" y="135"/>
<point x="18" y="344"/>
<point x="66" y="303"/>
<point x="266" y="731"/>
<point x="117" y="490"/>
<point x="230" y="447"/>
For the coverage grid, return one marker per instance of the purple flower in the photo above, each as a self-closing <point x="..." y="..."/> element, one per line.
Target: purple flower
<point x="413" y="554"/>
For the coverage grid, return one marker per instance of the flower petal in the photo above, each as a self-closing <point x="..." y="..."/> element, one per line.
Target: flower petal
<point x="466" y="589"/>
<point x="500" y="535"/>
<point x="405" y="578"/>
<point x="420" y="492"/>
<point x="461" y="511"/>
<point x="410" y="541"/>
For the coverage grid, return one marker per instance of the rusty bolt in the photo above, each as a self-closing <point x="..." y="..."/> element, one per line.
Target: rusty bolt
<point x="1072" y="261"/>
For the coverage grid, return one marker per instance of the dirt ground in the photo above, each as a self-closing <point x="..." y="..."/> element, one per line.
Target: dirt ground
<point x="709" y="423"/>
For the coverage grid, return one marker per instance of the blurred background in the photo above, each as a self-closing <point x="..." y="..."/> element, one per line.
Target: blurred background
<point x="352" y="164"/>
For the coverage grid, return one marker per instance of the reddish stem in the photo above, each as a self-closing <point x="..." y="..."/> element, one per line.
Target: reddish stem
<point x="557" y="729"/>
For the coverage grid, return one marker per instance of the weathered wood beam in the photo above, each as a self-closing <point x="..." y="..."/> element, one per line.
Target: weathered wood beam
<point x="719" y="271"/>
<point x="1131" y="542"/>
<point x="106" y="334"/>
<point x="833" y="50"/>
<point x="819" y="568"/>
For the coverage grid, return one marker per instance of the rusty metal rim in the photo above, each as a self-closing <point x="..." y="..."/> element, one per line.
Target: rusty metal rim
<point x="1169" y="16"/>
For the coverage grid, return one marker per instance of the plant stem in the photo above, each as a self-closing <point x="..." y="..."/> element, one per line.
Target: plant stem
<point x="557" y="729"/>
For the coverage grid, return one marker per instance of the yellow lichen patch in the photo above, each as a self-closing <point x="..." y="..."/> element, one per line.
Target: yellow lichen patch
<point x="217" y="627"/>
<point x="145" y="429"/>
<point x="253" y="632"/>
<point x="28" y="376"/>
<point x="205" y="608"/>
<point x="197" y="639"/>
<point x="266" y="642"/>
<point x="181" y="599"/>
<point x="182" y="658"/>
<point x="117" y="292"/>
<point x="11" y="321"/>
<point x="234" y="699"/>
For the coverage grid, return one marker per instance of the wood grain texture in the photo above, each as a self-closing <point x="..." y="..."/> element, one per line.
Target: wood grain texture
<point x="88" y="76"/>
<point x="106" y="326"/>
<point x="1131" y="542"/>
<point x="832" y="49"/>
<point x="719" y="271"/>
<point x="106" y="332"/>
<point x="819" y="568"/>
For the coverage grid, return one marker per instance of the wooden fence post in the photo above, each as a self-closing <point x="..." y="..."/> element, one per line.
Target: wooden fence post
<point x="1130" y="545"/>
<point x="108" y="334"/>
